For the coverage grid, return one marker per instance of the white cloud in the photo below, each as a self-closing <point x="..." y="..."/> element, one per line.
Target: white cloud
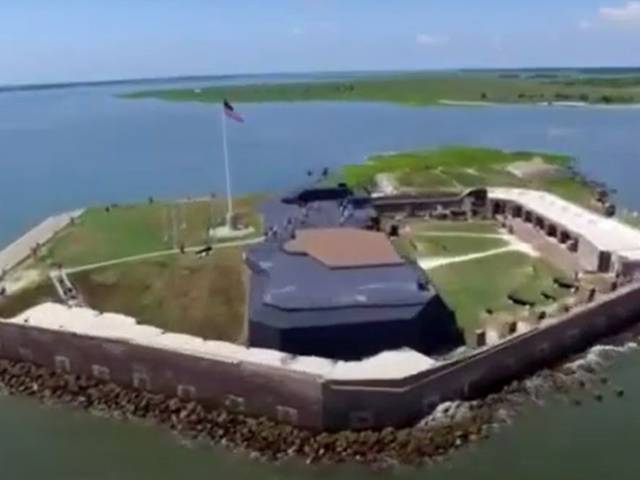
<point x="627" y="14"/>
<point x="585" y="25"/>
<point x="431" y="40"/>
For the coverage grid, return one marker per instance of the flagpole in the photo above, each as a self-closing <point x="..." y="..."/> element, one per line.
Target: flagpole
<point x="227" y="169"/>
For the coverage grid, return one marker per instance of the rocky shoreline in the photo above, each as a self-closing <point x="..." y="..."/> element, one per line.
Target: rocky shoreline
<point x="450" y="427"/>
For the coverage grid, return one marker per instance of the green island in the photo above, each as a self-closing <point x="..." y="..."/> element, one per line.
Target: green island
<point x="127" y="258"/>
<point x="429" y="88"/>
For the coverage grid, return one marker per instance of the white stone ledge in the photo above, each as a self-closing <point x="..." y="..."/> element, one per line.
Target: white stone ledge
<point x="112" y="326"/>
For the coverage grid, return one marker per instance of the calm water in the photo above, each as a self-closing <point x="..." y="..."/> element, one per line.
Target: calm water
<point x="66" y="148"/>
<point x="556" y="441"/>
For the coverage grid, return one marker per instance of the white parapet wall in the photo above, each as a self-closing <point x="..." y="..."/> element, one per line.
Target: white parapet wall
<point x="20" y="250"/>
<point x="389" y="389"/>
<point x="87" y="322"/>
<point x="598" y="234"/>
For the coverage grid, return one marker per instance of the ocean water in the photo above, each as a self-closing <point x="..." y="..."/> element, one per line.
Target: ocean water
<point x="552" y="440"/>
<point x="60" y="149"/>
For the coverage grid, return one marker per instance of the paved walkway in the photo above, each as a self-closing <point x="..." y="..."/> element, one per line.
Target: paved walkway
<point x="453" y="233"/>
<point x="20" y="250"/>
<point x="434" y="262"/>
<point x="145" y="256"/>
<point x="514" y="244"/>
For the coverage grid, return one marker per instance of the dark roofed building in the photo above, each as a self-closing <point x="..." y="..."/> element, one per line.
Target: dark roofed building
<point x="323" y="285"/>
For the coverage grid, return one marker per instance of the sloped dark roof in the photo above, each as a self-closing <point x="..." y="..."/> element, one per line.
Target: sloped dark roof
<point x="289" y="282"/>
<point x="322" y="268"/>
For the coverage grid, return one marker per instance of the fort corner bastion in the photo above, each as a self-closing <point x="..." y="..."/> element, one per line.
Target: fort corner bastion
<point x="384" y="342"/>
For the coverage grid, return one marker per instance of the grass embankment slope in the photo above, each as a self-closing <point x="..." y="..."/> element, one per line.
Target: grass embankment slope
<point x="17" y="303"/>
<point x="489" y="283"/>
<point x="421" y="89"/>
<point x="472" y="288"/>
<point x="178" y="293"/>
<point x="456" y="168"/>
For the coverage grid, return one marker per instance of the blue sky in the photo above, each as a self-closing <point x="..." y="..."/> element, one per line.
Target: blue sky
<point x="65" y="40"/>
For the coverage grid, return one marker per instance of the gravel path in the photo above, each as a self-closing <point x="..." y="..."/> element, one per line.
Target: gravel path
<point x="453" y="233"/>
<point x="145" y="256"/>
<point x="514" y="245"/>
<point x="434" y="262"/>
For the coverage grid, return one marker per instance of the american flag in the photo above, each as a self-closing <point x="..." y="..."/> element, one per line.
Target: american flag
<point x="230" y="112"/>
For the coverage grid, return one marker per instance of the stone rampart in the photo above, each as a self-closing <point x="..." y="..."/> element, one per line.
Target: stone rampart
<point x="311" y="393"/>
<point x="364" y="404"/>
<point x="287" y="395"/>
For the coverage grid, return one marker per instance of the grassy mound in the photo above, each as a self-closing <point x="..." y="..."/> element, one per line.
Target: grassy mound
<point x="457" y="168"/>
<point x="179" y="293"/>
<point x="466" y="166"/>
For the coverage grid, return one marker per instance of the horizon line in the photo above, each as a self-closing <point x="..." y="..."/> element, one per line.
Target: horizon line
<point x="187" y="77"/>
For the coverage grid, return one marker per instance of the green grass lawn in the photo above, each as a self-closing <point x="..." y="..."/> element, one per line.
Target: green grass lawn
<point x="451" y="246"/>
<point x="465" y="177"/>
<point x="405" y="247"/>
<point x="483" y="227"/>
<point x="485" y="176"/>
<point x="24" y="299"/>
<point x="129" y="230"/>
<point x="428" y="179"/>
<point x="179" y="293"/>
<point x="569" y="189"/>
<point x="470" y="288"/>
<point x="421" y="88"/>
<point x="425" y="241"/>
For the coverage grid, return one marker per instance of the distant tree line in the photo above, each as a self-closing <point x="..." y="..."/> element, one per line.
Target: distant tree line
<point x="345" y="87"/>
<point x="571" y="97"/>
